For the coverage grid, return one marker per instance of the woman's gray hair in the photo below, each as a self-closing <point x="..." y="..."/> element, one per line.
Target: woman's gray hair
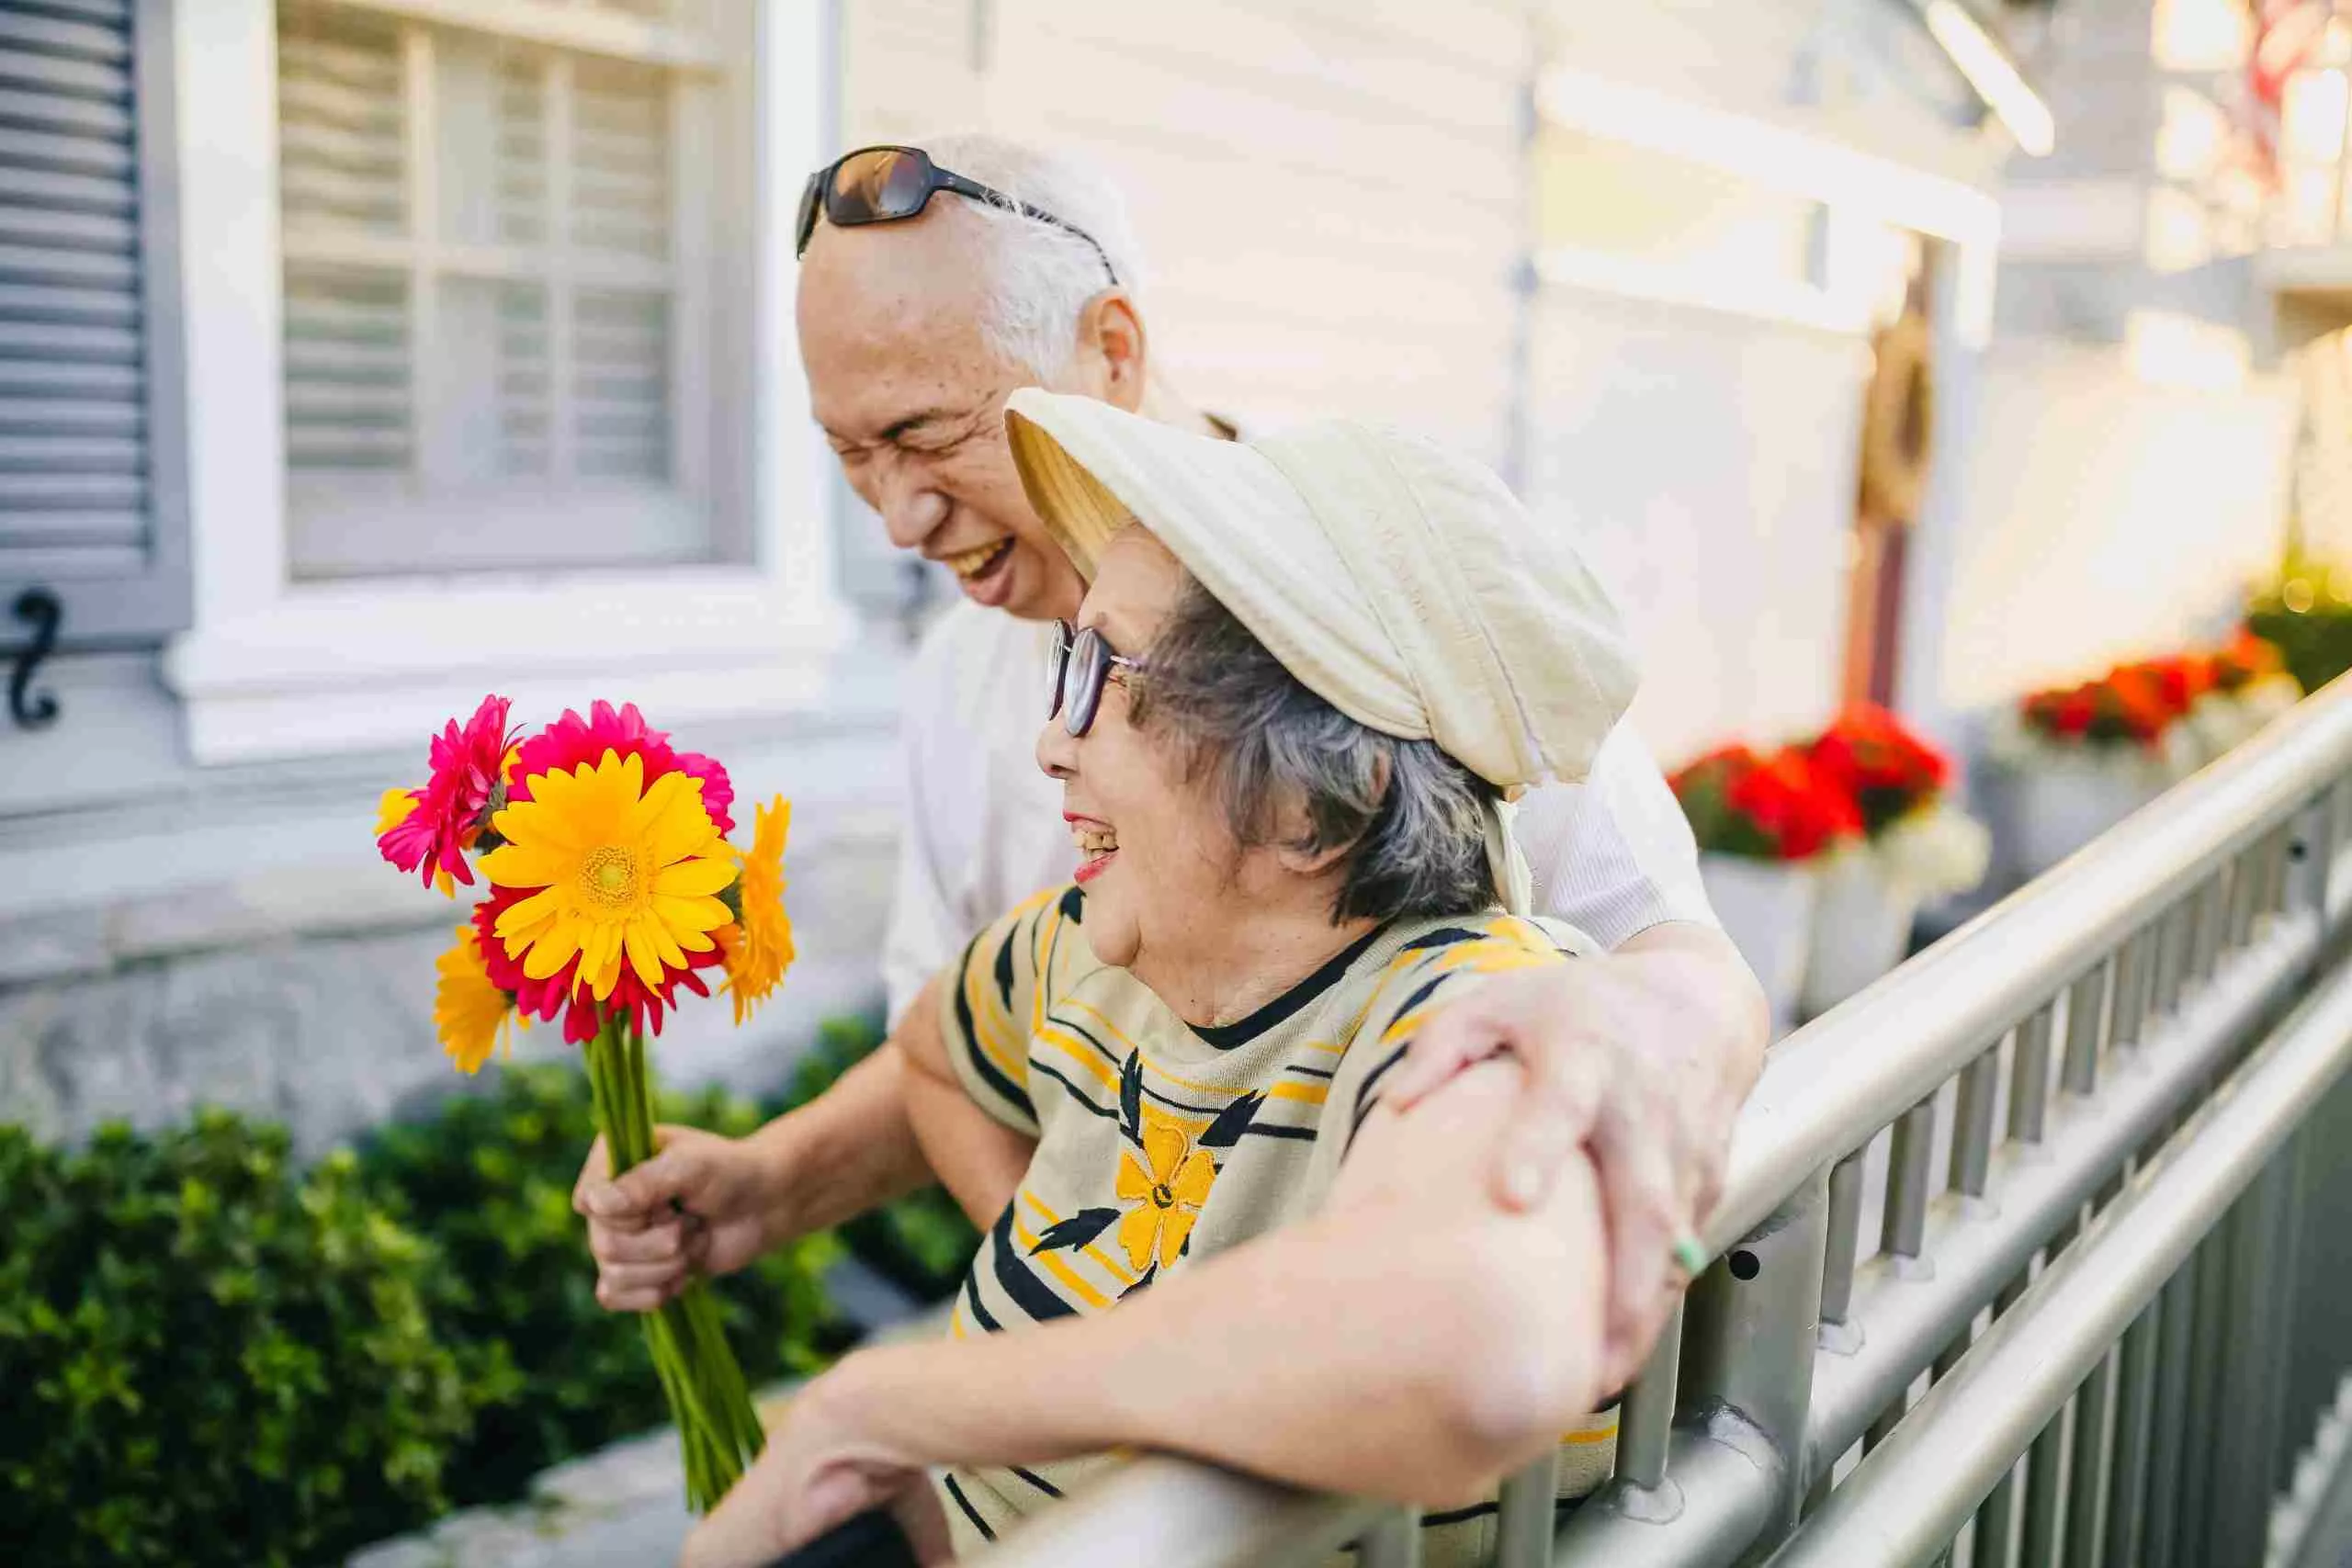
<point x="1409" y="817"/>
<point x="1040" y="278"/>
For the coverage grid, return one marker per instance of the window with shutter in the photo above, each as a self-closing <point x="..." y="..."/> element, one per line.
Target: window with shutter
<point x="92" y="502"/>
<point x="498" y="304"/>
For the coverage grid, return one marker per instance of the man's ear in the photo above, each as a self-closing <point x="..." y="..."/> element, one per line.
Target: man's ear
<point x="1111" y="345"/>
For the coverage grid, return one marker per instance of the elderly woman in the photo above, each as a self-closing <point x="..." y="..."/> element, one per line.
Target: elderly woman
<point x="1307" y="675"/>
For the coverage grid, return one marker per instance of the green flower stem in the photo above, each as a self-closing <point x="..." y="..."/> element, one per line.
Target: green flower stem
<point x="719" y="1428"/>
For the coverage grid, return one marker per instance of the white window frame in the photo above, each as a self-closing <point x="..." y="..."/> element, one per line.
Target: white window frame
<point x="274" y="668"/>
<point x="1851" y="183"/>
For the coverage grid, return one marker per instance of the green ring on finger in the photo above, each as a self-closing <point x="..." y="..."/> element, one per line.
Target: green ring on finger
<point x="1689" y="1255"/>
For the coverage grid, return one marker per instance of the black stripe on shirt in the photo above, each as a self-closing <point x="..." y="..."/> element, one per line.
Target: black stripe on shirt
<point x="1029" y="1294"/>
<point x="970" y="1513"/>
<point x="1446" y="937"/>
<point x="1225" y="1036"/>
<point x="1365" y="1098"/>
<point x="972" y="1297"/>
<point x="1039" y="1481"/>
<point x="991" y="1074"/>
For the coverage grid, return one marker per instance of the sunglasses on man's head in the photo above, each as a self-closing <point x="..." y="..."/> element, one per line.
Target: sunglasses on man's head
<point x="1081" y="663"/>
<point x="891" y="185"/>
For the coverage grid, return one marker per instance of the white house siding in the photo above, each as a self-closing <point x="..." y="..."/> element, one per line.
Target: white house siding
<point x="1709" y="459"/>
<point x="1330" y="195"/>
<point x="1710" y="454"/>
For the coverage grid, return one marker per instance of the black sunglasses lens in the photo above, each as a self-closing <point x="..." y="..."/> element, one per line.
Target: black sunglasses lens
<point x="804" y="224"/>
<point x="881" y="185"/>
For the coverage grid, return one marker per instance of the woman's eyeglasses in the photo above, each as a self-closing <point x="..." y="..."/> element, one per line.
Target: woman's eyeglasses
<point x="891" y="185"/>
<point x="1081" y="664"/>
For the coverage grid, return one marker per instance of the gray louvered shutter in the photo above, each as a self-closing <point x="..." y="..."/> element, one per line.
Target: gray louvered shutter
<point x="92" y="493"/>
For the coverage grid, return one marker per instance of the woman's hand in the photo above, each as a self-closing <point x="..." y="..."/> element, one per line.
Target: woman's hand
<point x="826" y="1464"/>
<point x="702" y="1205"/>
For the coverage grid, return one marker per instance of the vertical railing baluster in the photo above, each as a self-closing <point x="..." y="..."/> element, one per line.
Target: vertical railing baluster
<point x="1754" y="1326"/>
<point x="1844" y="1240"/>
<point x="1523" y="1528"/>
<point x="2207" y="1327"/>
<point x="2309" y="852"/>
<point x="2213" y="922"/>
<point x="2168" y="975"/>
<point x="1995" y="1519"/>
<point x="2244" y="872"/>
<point x="1646" y="1422"/>
<point x="2087" y="1489"/>
<point x="2079" y="1072"/>
<point x="1393" y="1543"/>
<point x="1972" y="1133"/>
<point x="2170" y="1442"/>
<point x="2029" y="1077"/>
<point x="2275" y="871"/>
<point x="2045" y="1501"/>
<point x="1995" y="1524"/>
<point x="1883" y="1425"/>
<point x="2245" y="1417"/>
<point x="1902" y="1226"/>
<point x="2134" y="1412"/>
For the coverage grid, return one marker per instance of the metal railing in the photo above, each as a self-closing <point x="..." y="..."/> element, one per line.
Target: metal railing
<point x="2024" y="1109"/>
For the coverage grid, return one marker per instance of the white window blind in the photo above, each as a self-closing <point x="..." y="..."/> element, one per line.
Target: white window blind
<point x="500" y="294"/>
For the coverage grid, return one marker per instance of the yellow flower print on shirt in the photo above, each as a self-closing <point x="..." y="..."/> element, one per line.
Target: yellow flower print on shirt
<point x="1167" y="1193"/>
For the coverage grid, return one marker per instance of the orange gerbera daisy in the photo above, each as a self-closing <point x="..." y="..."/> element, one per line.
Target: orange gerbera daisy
<point x="470" y="1014"/>
<point x="759" y="948"/>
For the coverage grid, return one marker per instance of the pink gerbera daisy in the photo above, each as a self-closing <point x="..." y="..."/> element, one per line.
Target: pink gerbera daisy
<point x="572" y="740"/>
<point x="451" y="807"/>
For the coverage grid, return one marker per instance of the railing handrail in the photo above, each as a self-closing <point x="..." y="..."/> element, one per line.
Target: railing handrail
<point x="1833" y="1083"/>
<point x="1914" y="1491"/>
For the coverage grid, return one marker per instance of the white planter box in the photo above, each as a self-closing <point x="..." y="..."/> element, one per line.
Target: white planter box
<point x="1766" y="908"/>
<point x="2058" y="802"/>
<point x="1862" y="927"/>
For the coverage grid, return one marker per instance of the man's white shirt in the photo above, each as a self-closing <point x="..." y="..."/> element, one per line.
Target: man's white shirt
<point x="1612" y="855"/>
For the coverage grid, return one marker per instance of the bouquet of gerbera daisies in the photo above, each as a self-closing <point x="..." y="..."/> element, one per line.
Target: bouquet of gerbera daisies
<point x="612" y="886"/>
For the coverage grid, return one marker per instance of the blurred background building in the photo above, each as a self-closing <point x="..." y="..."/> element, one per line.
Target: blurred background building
<point x="358" y="356"/>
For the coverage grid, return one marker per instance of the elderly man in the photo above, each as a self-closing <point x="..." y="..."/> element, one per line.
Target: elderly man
<point x="933" y="284"/>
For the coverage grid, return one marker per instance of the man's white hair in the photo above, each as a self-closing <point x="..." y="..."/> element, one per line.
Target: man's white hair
<point x="1040" y="278"/>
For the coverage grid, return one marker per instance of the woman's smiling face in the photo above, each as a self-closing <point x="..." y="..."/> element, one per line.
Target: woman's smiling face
<point x="1160" y="866"/>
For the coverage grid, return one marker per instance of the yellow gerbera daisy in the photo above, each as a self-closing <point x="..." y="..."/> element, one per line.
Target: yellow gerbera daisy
<point x="471" y="1016"/>
<point x="396" y="808"/>
<point x="624" y="870"/>
<point x="759" y="949"/>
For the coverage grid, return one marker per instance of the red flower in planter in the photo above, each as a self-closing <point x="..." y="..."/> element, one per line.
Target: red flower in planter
<point x="2246" y="659"/>
<point x="1886" y="769"/>
<point x="1775" y="808"/>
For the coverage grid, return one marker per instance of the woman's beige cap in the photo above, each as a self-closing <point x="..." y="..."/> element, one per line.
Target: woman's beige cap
<point x="1402" y="583"/>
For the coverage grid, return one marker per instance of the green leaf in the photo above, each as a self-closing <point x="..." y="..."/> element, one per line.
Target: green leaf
<point x="1077" y="1230"/>
<point x="1231" y="1121"/>
<point x="1131" y="1097"/>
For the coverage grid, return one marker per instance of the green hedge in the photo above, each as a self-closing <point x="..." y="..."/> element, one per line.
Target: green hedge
<point x="212" y="1358"/>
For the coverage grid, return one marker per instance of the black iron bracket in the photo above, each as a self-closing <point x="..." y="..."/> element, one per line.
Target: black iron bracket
<point x="39" y="608"/>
